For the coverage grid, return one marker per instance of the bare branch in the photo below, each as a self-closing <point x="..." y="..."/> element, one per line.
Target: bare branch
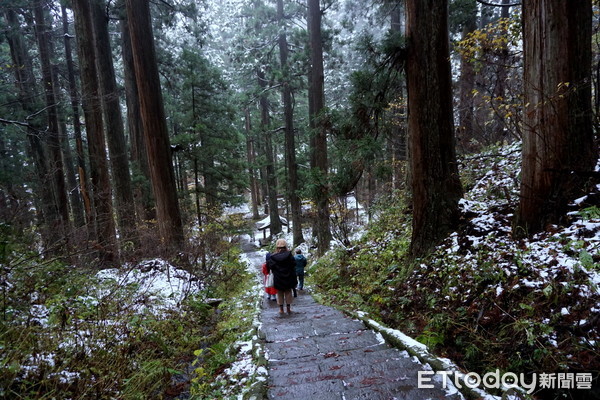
<point x="485" y="3"/>
<point x="10" y="122"/>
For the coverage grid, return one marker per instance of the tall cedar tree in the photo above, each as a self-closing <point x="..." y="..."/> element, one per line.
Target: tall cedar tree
<point x="74" y="97"/>
<point x="558" y="145"/>
<point x="435" y="183"/>
<point x="103" y="227"/>
<point x="288" y="115"/>
<point x="316" y="95"/>
<point x="115" y="133"/>
<point x="143" y="193"/>
<point x="154" y="124"/>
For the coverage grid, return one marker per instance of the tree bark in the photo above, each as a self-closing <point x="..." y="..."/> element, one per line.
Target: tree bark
<point x="290" y="146"/>
<point x="92" y="110"/>
<point x="558" y="141"/>
<point x="154" y="123"/>
<point x="115" y="134"/>
<point x="142" y="186"/>
<point x="251" y="157"/>
<point x="435" y="183"/>
<point x="319" y="151"/>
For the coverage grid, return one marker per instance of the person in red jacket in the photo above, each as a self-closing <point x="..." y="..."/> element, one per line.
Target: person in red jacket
<point x="271" y="291"/>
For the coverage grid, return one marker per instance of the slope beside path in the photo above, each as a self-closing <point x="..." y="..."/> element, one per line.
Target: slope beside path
<point x="317" y="352"/>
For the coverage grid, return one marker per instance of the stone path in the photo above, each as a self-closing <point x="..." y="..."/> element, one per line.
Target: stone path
<point x="318" y="352"/>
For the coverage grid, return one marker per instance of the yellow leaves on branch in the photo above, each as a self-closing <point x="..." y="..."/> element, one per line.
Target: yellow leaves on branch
<point x="563" y="86"/>
<point x="499" y="35"/>
<point x="398" y="110"/>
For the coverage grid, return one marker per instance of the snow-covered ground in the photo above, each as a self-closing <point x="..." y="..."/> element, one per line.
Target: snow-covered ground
<point x="114" y="305"/>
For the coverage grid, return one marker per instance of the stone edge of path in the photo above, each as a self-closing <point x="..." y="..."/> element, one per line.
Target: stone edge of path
<point x="258" y="386"/>
<point x="419" y="350"/>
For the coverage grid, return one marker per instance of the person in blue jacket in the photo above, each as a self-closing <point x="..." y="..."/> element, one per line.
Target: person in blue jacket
<point x="300" y="265"/>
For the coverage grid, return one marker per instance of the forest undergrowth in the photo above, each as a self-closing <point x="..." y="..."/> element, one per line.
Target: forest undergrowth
<point x="144" y="330"/>
<point x="483" y="299"/>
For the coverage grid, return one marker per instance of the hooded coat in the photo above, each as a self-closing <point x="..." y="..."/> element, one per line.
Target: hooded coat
<point x="300" y="264"/>
<point x="283" y="266"/>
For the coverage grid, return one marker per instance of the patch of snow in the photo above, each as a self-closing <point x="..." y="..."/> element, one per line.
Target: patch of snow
<point x="39" y="314"/>
<point x="157" y="280"/>
<point x="499" y="290"/>
<point x="266" y="222"/>
<point x="241" y="209"/>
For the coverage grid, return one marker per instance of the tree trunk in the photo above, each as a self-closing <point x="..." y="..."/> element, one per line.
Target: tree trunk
<point x="154" y="123"/>
<point x="270" y="168"/>
<point x="59" y="187"/>
<point x="211" y="186"/>
<point x="142" y="188"/>
<point x="69" y="165"/>
<point x="435" y="183"/>
<point x="251" y="156"/>
<point x="92" y="110"/>
<point x="197" y="192"/>
<point x="319" y="152"/>
<point x="113" y="120"/>
<point x="81" y="168"/>
<point x="290" y="146"/>
<point x="558" y="141"/>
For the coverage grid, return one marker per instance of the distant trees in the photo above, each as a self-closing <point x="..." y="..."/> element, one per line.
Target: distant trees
<point x="288" y="120"/>
<point x="29" y="106"/>
<point x="96" y="177"/>
<point x="209" y="147"/>
<point x="268" y="27"/>
<point x="491" y="73"/>
<point x="270" y="177"/>
<point x="53" y="135"/>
